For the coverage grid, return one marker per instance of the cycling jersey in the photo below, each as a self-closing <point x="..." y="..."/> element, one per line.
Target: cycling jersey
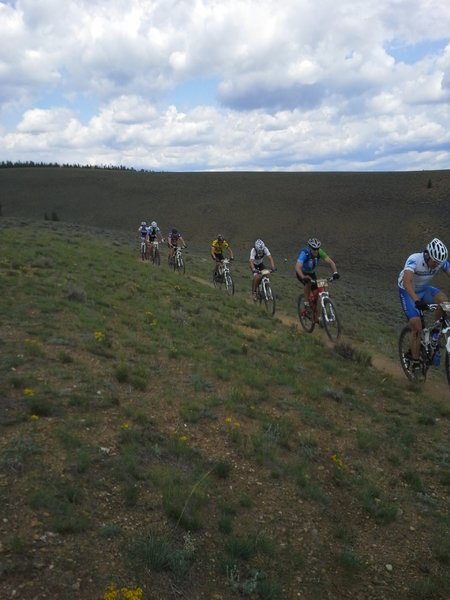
<point x="258" y="257"/>
<point x="153" y="232"/>
<point x="422" y="274"/>
<point x="309" y="262"/>
<point x="173" y="238"/>
<point x="143" y="232"/>
<point x="219" y="247"/>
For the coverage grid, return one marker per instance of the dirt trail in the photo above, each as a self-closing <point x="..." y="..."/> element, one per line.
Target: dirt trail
<point x="389" y="367"/>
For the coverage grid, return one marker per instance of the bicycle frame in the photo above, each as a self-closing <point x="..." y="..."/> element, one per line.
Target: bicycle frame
<point x="264" y="291"/>
<point x="321" y="310"/>
<point x="317" y="296"/>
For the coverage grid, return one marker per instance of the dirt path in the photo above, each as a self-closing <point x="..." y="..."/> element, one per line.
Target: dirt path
<point x="436" y="387"/>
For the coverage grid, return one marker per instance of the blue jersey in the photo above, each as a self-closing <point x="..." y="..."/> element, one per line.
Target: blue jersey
<point x="309" y="262"/>
<point x="153" y="232"/>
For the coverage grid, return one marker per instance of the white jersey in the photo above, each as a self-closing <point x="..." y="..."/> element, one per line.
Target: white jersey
<point x="259" y="259"/>
<point x="422" y="273"/>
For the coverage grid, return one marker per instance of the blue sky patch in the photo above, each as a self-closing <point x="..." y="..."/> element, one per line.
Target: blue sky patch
<point x="413" y="53"/>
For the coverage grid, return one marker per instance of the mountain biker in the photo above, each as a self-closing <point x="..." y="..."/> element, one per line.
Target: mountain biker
<point x="153" y="233"/>
<point x="174" y="239"/>
<point x="142" y="230"/>
<point x="217" y="249"/>
<point x="257" y="255"/>
<point x="415" y="290"/>
<point x="305" y="267"/>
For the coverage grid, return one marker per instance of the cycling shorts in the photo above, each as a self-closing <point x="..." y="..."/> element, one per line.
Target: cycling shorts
<point x="259" y="268"/>
<point x="408" y="304"/>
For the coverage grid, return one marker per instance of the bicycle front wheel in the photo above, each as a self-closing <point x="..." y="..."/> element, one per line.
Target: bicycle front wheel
<point x="330" y="320"/>
<point x="404" y="349"/>
<point x="268" y="298"/>
<point x="305" y="315"/>
<point x="229" y="284"/>
<point x="156" y="257"/>
<point x="447" y="366"/>
<point x="180" y="264"/>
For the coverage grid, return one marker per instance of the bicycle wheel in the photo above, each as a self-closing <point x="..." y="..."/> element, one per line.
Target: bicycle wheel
<point x="305" y="315"/>
<point x="268" y="297"/>
<point x="143" y="251"/>
<point x="156" y="257"/>
<point x="180" y="264"/>
<point x="330" y="320"/>
<point x="404" y="348"/>
<point x="447" y="366"/>
<point x="229" y="284"/>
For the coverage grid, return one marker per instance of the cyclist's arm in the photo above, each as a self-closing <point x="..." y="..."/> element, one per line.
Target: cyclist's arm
<point x="332" y="264"/>
<point x="299" y="270"/>
<point x="230" y="252"/>
<point x="213" y="254"/>
<point x="408" y="284"/>
<point x="272" y="264"/>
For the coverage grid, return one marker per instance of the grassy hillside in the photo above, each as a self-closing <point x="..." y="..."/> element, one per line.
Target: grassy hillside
<point x="358" y="215"/>
<point x="160" y="440"/>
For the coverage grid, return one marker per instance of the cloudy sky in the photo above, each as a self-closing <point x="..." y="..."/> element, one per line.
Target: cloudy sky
<point x="215" y="85"/>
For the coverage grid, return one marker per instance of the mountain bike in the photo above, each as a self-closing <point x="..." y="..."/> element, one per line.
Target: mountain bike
<point x="321" y="309"/>
<point x="433" y="339"/>
<point x="223" y="276"/>
<point x="156" y="255"/>
<point x="176" y="262"/>
<point x="264" y="292"/>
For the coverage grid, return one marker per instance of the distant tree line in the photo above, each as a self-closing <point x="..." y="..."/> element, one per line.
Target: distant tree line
<point x="8" y="164"/>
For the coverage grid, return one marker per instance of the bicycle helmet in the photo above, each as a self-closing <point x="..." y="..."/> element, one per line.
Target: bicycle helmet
<point x="259" y="245"/>
<point x="314" y="243"/>
<point x="174" y="230"/>
<point x="437" y="250"/>
<point x="143" y="224"/>
<point x="154" y="224"/>
<point x="220" y="238"/>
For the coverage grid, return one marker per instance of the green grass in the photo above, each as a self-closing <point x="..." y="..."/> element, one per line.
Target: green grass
<point x="198" y="439"/>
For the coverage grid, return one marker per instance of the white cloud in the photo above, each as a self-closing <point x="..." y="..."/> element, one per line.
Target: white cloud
<point x="300" y="85"/>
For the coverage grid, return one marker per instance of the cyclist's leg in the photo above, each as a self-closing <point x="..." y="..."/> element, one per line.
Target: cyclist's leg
<point x="256" y="281"/>
<point x="437" y="296"/>
<point x="413" y="316"/>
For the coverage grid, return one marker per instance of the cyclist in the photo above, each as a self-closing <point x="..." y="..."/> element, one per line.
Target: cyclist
<point x="153" y="233"/>
<point x="257" y="255"/>
<point x="142" y="232"/>
<point x="217" y="249"/>
<point x="415" y="289"/>
<point x="174" y="239"/>
<point x="307" y="261"/>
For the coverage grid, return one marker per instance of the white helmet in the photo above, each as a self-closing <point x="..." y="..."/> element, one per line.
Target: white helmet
<point x="314" y="243"/>
<point x="143" y="224"/>
<point x="259" y="245"/>
<point x="437" y="250"/>
<point x="154" y="224"/>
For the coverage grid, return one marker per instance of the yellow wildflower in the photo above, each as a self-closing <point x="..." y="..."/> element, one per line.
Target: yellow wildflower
<point x="228" y="420"/>
<point x="34" y="417"/>
<point x="28" y="392"/>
